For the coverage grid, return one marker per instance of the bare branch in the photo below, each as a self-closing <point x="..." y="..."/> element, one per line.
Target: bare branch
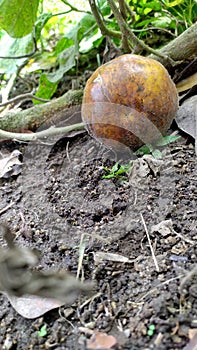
<point x="127" y="32"/>
<point x="40" y="134"/>
<point x="22" y="98"/>
<point x="99" y="20"/>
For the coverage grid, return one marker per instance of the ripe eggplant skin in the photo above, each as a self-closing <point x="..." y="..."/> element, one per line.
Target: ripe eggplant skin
<point x="129" y="101"/>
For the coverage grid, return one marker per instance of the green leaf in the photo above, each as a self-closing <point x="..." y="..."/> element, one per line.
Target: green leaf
<point x="43" y="331"/>
<point x="162" y="22"/>
<point x="110" y="176"/>
<point x="147" y="10"/>
<point x="144" y="23"/>
<point x="40" y="23"/>
<point x="117" y="170"/>
<point x="14" y="47"/>
<point x="127" y="167"/>
<point x="104" y="7"/>
<point x="154" y="5"/>
<point x="93" y="42"/>
<point x="151" y="330"/>
<point x="48" y="82"/>
<point x="145" y="149"/>
<point x="46" y="88"/>
<point x="66" y="60"/>
<point x="173" y="3"/>
<point x="18" y="17"/>
<point x="115" y="167"/>
<point x="63" y="44"/>
<point x="82" y="29"/>
<point x="167" y="139"/>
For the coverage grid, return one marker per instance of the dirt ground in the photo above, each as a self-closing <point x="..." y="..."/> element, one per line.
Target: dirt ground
<point x="61" y="195"/>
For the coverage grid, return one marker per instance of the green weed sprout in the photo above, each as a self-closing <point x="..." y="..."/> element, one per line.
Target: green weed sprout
<point x="43" y="331"/>
<point x="151" y="330"/>
<point x="117" y="171"/>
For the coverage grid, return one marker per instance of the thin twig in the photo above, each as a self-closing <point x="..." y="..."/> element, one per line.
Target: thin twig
<point x="24" y="97"/>
<point x="40" y="134"/>
<point x="154" y="28"/>
<point x="150" y="244"/>
<point x="99" y="20"/>
<point x="23" y="56"/>
<point x="158" y="286"/>
<point x="10" y="83"/>
<point x="73" y="8"/>
<point x="5" y="92"/>
<point x="3" y="210"/>
<point x="129" y="10"/>
<point x="81" y="254"/>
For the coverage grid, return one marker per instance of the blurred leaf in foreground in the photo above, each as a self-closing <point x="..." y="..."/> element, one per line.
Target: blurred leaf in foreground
<point x="17" y="18"/>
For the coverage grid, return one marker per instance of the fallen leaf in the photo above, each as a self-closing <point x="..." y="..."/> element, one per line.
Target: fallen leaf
<point x="10" y="165"/>
<point x="98" y="340"/>
<point x="32" y="306"/>
<point x="100" y="256"/>
<point x="153" y="163"/>
<point x="186" y="118"/>
<point x="142" y="167"/>
<point x="164" y="228"/>
<point x="187" y="83"/>
<point x="101" y="341"/>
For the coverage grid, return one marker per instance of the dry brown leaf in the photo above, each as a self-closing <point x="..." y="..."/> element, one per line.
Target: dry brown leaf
<point x="153" y="163"/>
<point x="100" y="256"/>
<point x="10" y="165"/>
<point x="32" y="306"/>
<point x="98" y="340"/>
<point x="186" y="117"/>
<point x="187" y="83"/>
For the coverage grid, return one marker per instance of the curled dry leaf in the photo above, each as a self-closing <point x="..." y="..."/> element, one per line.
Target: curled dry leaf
<point x="10" y="165"/>
<point x="101" y="256"/>
<point x="138" y="172"/>
<point x="142" y="167"/>
<point x="98" y="340"/>
<point x="153" y="163"/>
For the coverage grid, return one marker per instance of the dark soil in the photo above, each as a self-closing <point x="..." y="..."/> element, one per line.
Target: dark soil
<point x="61" y="195"/>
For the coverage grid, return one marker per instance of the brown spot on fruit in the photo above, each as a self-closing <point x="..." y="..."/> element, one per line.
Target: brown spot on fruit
<point x="130" y="100"/>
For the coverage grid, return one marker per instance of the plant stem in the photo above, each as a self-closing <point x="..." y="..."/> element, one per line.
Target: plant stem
<point x="127" y="32"/>
<point x="40" y="134"/>
<point x="99" y="20"/>
<point x="73" y="8"/>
